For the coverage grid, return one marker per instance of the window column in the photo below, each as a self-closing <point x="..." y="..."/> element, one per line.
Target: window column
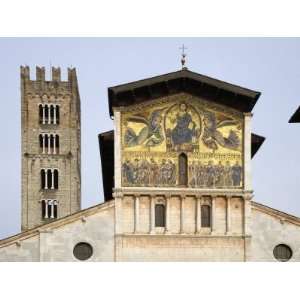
<point x="49" y="143"/>
<point x="182" y="198"/>
<point x="167" y="213"/>
<point x="43" y="141"/>
<point x="54" y="114"/>
<point x="45" y="203"/>
<point x="213" y="215"/>
<point x="52" y="181"/>
<point x="136" y="213"/>
<point x="198" y="214"/>
<point x="44" y="114"/>
<point x="228" y="215"/>
<point x="46" y="179"/>
<point x="152" y="214"/>
<point x="52" y="209"/>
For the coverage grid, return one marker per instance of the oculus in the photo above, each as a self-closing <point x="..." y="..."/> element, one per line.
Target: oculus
<point x="83" y="251"/>
<point x="282" y="252"/>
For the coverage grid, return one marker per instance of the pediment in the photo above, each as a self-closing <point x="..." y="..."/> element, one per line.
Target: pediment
<point x="213" y="90"/>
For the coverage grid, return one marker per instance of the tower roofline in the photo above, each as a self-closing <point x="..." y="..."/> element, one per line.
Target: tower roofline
<point x="40" y="74"/>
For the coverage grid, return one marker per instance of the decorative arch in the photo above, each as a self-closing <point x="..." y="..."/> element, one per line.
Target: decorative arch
<point x="205" y="216"/>
<point x="160" y="215"/>
<point x="183" y="170"/>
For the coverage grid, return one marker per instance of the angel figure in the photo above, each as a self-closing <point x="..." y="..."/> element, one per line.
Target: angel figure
<point x="152" y="133"/>
<point x="212" y="137"/>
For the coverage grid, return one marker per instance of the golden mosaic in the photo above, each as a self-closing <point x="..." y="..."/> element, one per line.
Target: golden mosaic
<point x="182" y="141"/>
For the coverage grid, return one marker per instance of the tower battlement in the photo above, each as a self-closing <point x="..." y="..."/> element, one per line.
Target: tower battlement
<point x="41" y="74"/>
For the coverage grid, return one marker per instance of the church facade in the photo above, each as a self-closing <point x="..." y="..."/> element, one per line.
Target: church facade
<point x="177" y="182"/>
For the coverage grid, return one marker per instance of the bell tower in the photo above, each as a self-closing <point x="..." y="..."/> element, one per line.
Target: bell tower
<point x="50" y="124"/>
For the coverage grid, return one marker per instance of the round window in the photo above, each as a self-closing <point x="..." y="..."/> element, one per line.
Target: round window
<point x="83" y="251"/>
<point x="282" y="252"/>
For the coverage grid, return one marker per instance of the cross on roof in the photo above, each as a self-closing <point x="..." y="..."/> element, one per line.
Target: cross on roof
<point x="183" y="55"/>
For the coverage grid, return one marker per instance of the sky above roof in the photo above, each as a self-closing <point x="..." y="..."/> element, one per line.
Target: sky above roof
<point x="268" y="65"/>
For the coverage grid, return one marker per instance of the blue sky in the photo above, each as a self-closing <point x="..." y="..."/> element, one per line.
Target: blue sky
<point x="268" y="65"/>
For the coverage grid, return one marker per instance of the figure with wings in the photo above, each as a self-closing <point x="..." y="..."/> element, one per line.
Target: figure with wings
<point x="151" y="135"/>
<point x="213" y="138"/>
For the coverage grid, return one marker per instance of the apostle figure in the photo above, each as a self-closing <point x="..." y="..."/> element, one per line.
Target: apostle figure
<point x="163" y="173"/>
<point x="219" y="175"/>
<point x="144" y="173"/>
<point x="154" y="172"/>
<point x="236" y="174"/>
<point x="193" y="174"/>
<point x="210" y="173"/>
<point x="127" y="172"/>
<point x="200" y="178"/>
<point x="227" y="174"/>
<point x="136" y="171"/>
<point x="171" y="172"/>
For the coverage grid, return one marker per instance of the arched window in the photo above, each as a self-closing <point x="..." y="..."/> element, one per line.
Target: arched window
<point x="52" y="114"/>
<point x="49" y="209"/>
<point x="283" y="252"/>
<point x="49" y="179"/>
<point x="57" y="143"/>
<point x="43" y="179"/>
<point x="46" y="108"/>
<point x="57" y="114"/>
<point x="56" y="179"/>
<point x="41" y="114"/>
<point x="160" y="215"/>
<point x="46" y="143"/>
<point x="41" y="143"/>
<point x="183" y="169"/>
<point x="55" y="209"/>
<point x="205" y="216"/>
<point x="51" y="142"/>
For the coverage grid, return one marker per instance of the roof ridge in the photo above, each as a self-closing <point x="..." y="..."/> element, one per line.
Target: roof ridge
<point x="276" y="211"/>
<point x="56" y="223"/>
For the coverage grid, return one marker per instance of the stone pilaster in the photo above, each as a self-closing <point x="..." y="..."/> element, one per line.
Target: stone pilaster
<point x="136" y="213"/>
<point x="228" y="215"/>
<point x="198" y="214"/>
<point x="152" y="215"/>
<point x="247" y="214"/>
<point x="117" y="147"/>
<point x="118" y="213"/>
<point x="168" y="214"/>
<point x="213" y="215"/>
<point x="247" y="152"/>
<point x="182" y="199"/>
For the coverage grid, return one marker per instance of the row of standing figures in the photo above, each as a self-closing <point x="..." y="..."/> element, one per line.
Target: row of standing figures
<point x="144" y="173"/>
<point x="218" y="176"/>
<point x="151" y="173"/>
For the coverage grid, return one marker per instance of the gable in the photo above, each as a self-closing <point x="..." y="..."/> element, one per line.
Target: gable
<point x="211" y="89"/>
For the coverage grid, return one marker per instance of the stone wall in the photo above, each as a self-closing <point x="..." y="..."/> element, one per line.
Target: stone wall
<point x="55" y="242"/>
<point x="179" y="248"/>
<point x="97" y="225"/>
<point x="181" y="240"/>
<point x="270" y="229"/>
